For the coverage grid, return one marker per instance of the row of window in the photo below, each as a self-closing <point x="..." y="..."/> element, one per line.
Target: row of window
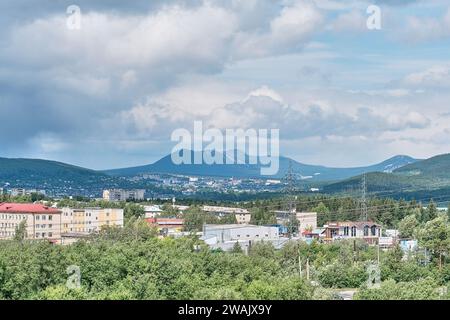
<point x="81" y="214"/>
<point x="257" y="236"/>
<point x="7" y="233"/>
<point x="44" y="217"/>
<point x="372" y="229"/>
<point x="43" y="234"/>
<point x="8" y="225"/>
<point x="43" y="226"/>
<point x="13" y="216"/>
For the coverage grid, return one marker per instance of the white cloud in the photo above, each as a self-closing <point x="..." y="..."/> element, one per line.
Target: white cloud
<point x="288" y="32"/>
<point x="435" y="77"/>
<point x="422" y="29"/>
<point x="352" y="21"/>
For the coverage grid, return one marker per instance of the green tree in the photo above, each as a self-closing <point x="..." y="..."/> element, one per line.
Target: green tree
<point x="262" y="216"/>
<point x="432" y="210"/>
<point x="407" y="226"/>
<point x="21" y="231"/>
<point x="237" y="248"/>
<point x="133" y="210"/>
<point x="323" y="213"/>
<point x="423" y="289"/>
<point x="195" y="218"/>
<point x="293" y="224"/>
<point x="435" y="236"/>
<point x="169" y="211"/>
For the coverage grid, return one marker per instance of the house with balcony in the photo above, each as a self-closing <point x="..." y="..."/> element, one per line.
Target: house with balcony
<point x="369" y="231"/>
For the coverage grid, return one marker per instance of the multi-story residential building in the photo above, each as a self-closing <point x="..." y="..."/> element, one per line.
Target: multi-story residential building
<point x="15" y="192"/>
<point x="123" y="195"/>
<point x="89" y="220"/>
<point x="243" y="216"/>
<point x="41" y="222"/>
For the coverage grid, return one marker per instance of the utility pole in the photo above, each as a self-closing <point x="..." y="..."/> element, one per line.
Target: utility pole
<point x="307" y="269"/>
<point x="299" y="263"/>
<point x="378" y="253"/>
<point x="364" y="215"/>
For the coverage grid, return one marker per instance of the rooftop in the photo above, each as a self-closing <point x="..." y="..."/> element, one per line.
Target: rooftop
<point x="26" y="208"/>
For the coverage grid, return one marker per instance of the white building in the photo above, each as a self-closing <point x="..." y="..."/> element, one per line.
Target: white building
<point x="89" y="220"/>
<point x="123" y="195"/>
<point x="152" y="211"/>
<point x="234" y="232"/>
<point x="16" y="192"/>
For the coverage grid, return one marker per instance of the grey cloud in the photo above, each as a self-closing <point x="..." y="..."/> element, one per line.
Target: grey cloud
<point x="264" y="112"/>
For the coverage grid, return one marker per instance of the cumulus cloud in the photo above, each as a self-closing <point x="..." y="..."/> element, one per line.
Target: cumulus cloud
<point x="288" y="32"/>
<point x="264" y="108"/>
<point x="435" y="77"/>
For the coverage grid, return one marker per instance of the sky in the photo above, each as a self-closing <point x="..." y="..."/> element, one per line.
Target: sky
<point x="110" y="93"/>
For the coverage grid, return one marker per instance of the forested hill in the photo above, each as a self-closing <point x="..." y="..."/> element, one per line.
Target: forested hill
<point x="41" y="174"/>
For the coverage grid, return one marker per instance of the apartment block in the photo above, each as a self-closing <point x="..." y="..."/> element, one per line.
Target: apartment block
<point x="123" y="195"/>
<point x="41" y="222"/>
<point x="88" y="220"/>
<point x="243" y="216"/>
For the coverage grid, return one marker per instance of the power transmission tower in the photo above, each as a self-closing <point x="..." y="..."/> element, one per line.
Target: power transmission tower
<point x="364" y="215"/>
<point x="289" y="190"/>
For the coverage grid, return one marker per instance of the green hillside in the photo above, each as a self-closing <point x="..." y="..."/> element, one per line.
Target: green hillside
<point x="424" y="178"/>
<point x="434" y="168"/>
<point x="44" y="174"/>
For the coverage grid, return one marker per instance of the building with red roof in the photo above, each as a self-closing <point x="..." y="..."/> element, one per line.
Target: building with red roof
<point x="41" y="222"/>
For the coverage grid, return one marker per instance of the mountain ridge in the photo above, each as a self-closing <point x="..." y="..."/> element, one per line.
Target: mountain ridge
<point x="303" y="171"/>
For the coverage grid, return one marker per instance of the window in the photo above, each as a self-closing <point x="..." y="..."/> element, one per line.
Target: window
<point x="346" y="231"/>
<point x="50" y="217"/>
<point x="50" y="234"/>
<point x="366" y="231"/>
<point x="37" y="217"/>
<point x="373" y="230"/>
<point x="44" y="218"/>
<point x="353" y="231"/>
